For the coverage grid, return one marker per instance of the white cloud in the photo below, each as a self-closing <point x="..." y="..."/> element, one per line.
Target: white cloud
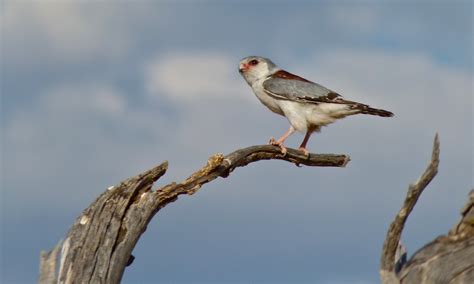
<point x="58" y="121"/>
<point x="62" y="31"/>
<point x="92" y="97"/>
<point x="422" y="93"/>
<point x="217" y="109"/>
<point x="386" y="74"/>
<point x="194" y="76"/>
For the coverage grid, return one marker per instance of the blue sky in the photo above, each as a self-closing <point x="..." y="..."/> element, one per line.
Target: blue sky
<point x="94" y="92"/>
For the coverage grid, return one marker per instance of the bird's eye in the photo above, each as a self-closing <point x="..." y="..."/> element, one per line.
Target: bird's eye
<point x="253" y="62"/>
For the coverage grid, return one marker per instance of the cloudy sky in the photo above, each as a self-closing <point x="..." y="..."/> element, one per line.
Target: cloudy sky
<point x="96" y="91"/>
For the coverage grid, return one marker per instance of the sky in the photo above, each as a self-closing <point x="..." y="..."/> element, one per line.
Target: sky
<point x="93" y="92"/>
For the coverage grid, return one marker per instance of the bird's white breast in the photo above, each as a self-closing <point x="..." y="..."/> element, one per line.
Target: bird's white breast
<point x="267" y="100"/>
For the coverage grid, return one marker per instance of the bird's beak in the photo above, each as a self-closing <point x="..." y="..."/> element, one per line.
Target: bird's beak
<point x="243" y="68"/>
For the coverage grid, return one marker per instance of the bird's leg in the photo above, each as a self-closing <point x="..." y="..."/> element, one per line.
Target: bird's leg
<point x="305" y="140"/>
<point x="282" y="139"/>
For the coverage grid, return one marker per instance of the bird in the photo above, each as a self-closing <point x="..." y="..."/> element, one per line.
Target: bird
<point x="308" y="106"/>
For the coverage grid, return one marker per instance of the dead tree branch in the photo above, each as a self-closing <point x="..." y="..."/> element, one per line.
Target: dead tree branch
<point x="447" y="259"/>
<point x="415" y="189"/>
<point x="98" y="247"/>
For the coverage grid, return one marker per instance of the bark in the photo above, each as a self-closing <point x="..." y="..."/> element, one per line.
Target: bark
<point x="98" y="247"/>
<point x="448" y="258"/>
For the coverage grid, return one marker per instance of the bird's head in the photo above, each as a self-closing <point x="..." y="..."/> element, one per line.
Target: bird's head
<point x="254" y="68"/>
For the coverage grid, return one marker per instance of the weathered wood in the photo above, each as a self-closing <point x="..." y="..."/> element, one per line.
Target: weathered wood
<point x="98" y="247"/>
<point x="465" y="226"/>
<point x="392" y="240"/>
<point x="447" y="259"/>
<point x="48" y="265"/>
<point x="107" y="228"/>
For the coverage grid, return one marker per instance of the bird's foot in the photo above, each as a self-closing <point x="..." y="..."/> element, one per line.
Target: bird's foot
<point x="305" y="152"/>
<point x="279" y="144"/>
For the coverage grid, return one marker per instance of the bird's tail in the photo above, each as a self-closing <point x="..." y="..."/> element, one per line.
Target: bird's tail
<point x="376" y="111"/>
<point x="365" y="109"/>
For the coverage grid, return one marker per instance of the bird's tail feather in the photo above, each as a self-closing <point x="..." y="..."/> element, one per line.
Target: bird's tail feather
<point x="376" y="111"/>
<point x="365" y="109"/>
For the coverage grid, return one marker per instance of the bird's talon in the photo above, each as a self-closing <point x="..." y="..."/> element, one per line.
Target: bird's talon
<point x="305" y="152"/>
<point x="279" y="144"/>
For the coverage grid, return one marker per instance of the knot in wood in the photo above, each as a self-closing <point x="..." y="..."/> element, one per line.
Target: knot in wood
<point x="213" y="162"/>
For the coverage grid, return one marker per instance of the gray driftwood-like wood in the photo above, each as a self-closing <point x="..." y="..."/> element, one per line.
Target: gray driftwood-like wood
<point x="48" y="265"/>
<point x="447" y="259"/>
<point x="99" y="245"/>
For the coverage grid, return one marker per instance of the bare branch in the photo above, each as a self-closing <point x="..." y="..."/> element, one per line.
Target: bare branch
<point x="220" y="165"/>
<point x="98" y="247"/>
<point x="387" y="264"/>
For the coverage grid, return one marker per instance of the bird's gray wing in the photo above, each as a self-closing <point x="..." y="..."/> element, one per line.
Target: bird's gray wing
<point x="301" y="90"/>
<point x="283" y="85"/>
